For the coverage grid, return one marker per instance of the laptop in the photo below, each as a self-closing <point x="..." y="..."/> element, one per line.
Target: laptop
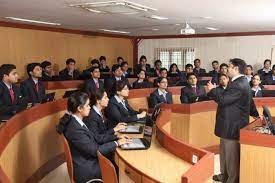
<point x="49" y="97"/>
<point x="268" y="93"/>
<point x="268" y="120"/>
<point x="141" y="143"/>
<point x="67" y="94"/>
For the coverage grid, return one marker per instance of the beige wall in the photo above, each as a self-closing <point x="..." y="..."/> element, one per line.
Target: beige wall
<point x="21" y="46"/>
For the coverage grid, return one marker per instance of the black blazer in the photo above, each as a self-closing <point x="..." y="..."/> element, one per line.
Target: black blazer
<point x="29" y="91"/>
<point x="259" y="93"/>
<point x="213" y="73"/>
<point x="235" y="105"/>
<point x="144" y="84"/>
<point x="7" y="108"/>
<point x="64" y="75"/>
<point x="110" y="85"/>
<point x="116" y="113"/>
<point x="263" y="73"/>
<point x="98" y="126"/>
<point x="200" y="71"/>
<point x="188" y="95"/>
<point x="46" y="77"/>
<point x="138" y="68"/>
<point x="106" y="69"/>
<point x="268" y="80"/>
<point x="155" y="98"/>
<point x="84" y="146"/>
<point x="90" y="86"/>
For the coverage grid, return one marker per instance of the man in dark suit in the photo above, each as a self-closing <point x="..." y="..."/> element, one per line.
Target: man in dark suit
<point x="192" y="92"/>
<point x="223" y="83"/>
<point x="143" y="65"/>
<point x="156" y="71"/>
<point x="223" y="70"/>
<point x="266" y="70"/>
<point x="47" y="71"/>
<point x="269" y="79"/>
<point x="86" y="74"/>
<point x="163" y="72"/>
<point x="215" y="66"/>
<point x="69" y="73"/>
<point x="94" y="83"/>
<point x="126" y="71"/>
<point x="110" y="83"/>
<point x="235" y="105"/>
<point x="32" y="88"/>
<point x="11" y="99"/>
<point x="198" y="70"/>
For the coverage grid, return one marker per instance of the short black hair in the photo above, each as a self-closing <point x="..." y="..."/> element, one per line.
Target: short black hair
<point x="221" y="75"/>
<point x="94" y="61"/>
<point x="115" y="67"/>
<point x="31" y="66"/>
<point x="250" y="66"/>
<point x="124" y="63"/>
<point x="6" y="69"/>
<point x="142" y="57"/>
<point x="215" y="61"/>
<point x="273" y="67"/>
<point x="95" y="96"/>
<point x="267" y="60"/>
<point x="94" y="68"/>
<point x="120" y="85"/>
<point x="223" y="65"/>
<point x="102" y="58"/>
<point x="118" y="58"/>
<point x="45" y="64"/>
<point x="163" y="69"/>
<point x="159" y="79"/>
<point x="70" y="60"/>
<point x="172" y="65"/>
<point x="157" y="61"/>
<point x="141" y="70"/>
<point x="197" y="59"/>
<point x="188" y="65"/>
<point x="191" y="74"/>
<point x="237" y="62"/>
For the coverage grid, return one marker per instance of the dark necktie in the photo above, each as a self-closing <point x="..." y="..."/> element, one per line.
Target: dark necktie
<point x="194" y="90"/>
<point x="97" y="85"/>
<point x="36" y="87"/>
<point x="12" y="95"/>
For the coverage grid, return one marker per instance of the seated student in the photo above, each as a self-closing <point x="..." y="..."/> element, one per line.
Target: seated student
<point x="256" y="86"/>
<point x="119" y="110"/>
<point x="141" y="82"/>
<point x="10" y="94"/>
<point x="96" y="122"/>
<point x="161" y="95"/>
<point x="249" y="73"/>
<point x="223" y="70"/>
<point x="86" y="74"/>
<point x="192" y="91"/>
<point x="223" y="82"/>
<point x="182" y="81"/>
<point x="47" y="71"/>
<point x="197" y="70"/>
<point x="69" y="73"/>
<point x="174" y="71"/>
<point x="126" y="71"/>
<point x="163" y="73"/>
<point x="119" y="60"/>
<point x="103" y="64"/>
<point x="155" y="72"/>
<point x="110" y="83"/>
<point x="83" y="143"/>
<point x="32" y="88"/>
<point x="215" y="66"/>
<point x="266" y="70"/>
<point x="143" y="65"/>
<point x="94" y="83"/>
<point x="269" y="79"/>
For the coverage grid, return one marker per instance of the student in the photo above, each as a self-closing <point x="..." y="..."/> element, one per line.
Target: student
<point x="32" y="88"/>
<point x="215" y="66"/>
<point x="83" y="143"/>
<point x="223" y="82"/>
<point x="96" y="122"/>
<point x="266" y="70"/>
<point x="143" y="65"/>
<point x="163" y="73"/>
<point x="119" y="110"/>
<point x="11" y="98"/>
<point x="47" y="71"/>
<point x="198" y="70"/>
<point x="174" y="71"/>
<point x="125" y="69"/>
<point x="94" y="83"/>
<point x="141" y="82"/>
<point x="161" y="95"/>
<point x="256" y="86"/>
<point x="103" y="64"/>
<point x="119" y="60"/>
<point x="192" y="91"/>
<point x="86" y="74"/>
<point x="223" y="70"/>
<point x="249" y="73"/>
<point x="157" y="68"/>
<point x="110" y="83"/>
<point x="183" y="81"/>
<point x="70" y="72"/>
<point x="269" y="79"/>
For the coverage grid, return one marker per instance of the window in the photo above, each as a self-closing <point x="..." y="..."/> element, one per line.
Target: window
<point x="180" y="56"/>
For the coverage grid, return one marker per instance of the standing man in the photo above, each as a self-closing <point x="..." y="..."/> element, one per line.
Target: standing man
<point x="236" y="99"/>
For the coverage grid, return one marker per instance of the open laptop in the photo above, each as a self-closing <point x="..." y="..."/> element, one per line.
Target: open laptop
<point x="268" y="120"/>
<point x="68" y="93"/>
<point x="268" y="93"/>
<point x="49" y="97"/>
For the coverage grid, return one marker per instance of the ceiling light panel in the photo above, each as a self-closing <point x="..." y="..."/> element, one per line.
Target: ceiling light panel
<point x="32" y="21"/>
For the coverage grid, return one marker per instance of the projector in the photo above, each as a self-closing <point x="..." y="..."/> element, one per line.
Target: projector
<point x="187" y="30"/>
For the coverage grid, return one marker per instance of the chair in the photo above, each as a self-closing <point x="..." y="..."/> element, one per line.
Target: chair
<point x="108" y="171"/>
<point x="69" y="161"/>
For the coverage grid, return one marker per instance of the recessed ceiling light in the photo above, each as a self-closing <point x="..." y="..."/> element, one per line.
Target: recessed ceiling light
<point x="158" y="17"/>
<point x="114" y="31"/>
<point x="211" y="28"/>
<point x="32" y="21"/>
<point x="177" y="24"/>
<point x="155" y="29"/>
<point x="207" y="17"/>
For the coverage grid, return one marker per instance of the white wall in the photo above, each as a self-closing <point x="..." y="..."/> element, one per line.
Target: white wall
<point x="253" y="49"/>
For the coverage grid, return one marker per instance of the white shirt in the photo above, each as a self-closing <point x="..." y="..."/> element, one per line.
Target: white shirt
<point x="35" y="80"/>
<point x="97" y="111"/>
<point x="79" y="121"/>
<point x="256" y="89"/>
<point x="266" y="70"/>
<point x="162" y="93"/>
<point x="9" y="86"/>
<point x="236" y="77"/>
<point x="248" y="77"/>
<point x="118" y="78"/>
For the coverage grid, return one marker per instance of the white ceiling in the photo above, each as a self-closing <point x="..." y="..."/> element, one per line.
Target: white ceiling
<point x="228" y="15"/>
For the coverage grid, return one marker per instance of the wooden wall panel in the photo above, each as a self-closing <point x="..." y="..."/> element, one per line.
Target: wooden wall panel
<point x="21" y="46"/>
<point x="179" y="127"/>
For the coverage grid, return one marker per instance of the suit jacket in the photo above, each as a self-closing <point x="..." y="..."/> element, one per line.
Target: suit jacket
<point x="107" y="69"/>
<point x="64" y="75"/>
<point x="46" y="77"/>
<point x="262" y="73"/>
<point x="138" y="68"/>
<point x="84" y="145"/>
<point x="144" y="84"/>
<point x="213" y="73"/>
<point x="90" y="86"/>
<point x="7" y="108"/>
<point x="258" y="94"/>
<point x="98" y="126"/>
<point x="110" y="85"/>
<point x="115" y="112"/>
<point x="268" y="80"/>
<point x="155" y="98"/>
<point x="235" y="105"/>
<point x="200" y="71"/>
<point x="29" y="91"/>
<point x="188" y="95"/>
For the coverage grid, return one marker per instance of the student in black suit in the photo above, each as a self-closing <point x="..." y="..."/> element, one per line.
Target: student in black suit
<point x="161" y="95"/>
<point x="223" y="70"/>
<point x="103" y="64"/>
<point x="110" y="83"/>
<point x="47" y="71"/>
<point x="223" y="83"/>
<point x="83" y="143"/>
<point x="183" y="80"/>
<point x="269" y="79"/>
<point x="86" y="74"/>
<point x="192" y="92"/>
<point x="32" y="88"/>
<point x="11" y="98"/>
<point x="215" y="66"/>
<point x="197" y="70"/>
<point x="119" y="60"/>
<point x="164" y="74"/>
<point x="235" y="105"/>
<point x="249" y="73"/>
<point x="119" y="110"/>
<point x="141" y="82"/>
<point x="156" y="71"/>
<point x="174" y="71"/>
<point x="126" y="72"/>
<point x="266" y="70"/>
<point x="143" y="65"/>
<point x="256" y="86"/>
<point x="69" y="73"/>
<point x="94" y="83"/>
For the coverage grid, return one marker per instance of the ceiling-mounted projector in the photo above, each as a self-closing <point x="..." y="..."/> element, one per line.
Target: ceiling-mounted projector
<point x="187" y="30"/>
